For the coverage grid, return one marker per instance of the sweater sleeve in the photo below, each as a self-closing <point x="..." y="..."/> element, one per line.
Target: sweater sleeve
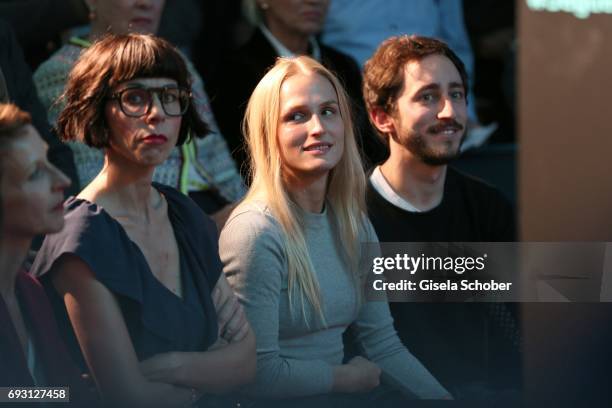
<point x="253" y="254"/>
<point x="376" y="337"/>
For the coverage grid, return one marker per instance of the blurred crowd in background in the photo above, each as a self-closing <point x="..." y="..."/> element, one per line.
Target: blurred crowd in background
<point x="209" y="30"/>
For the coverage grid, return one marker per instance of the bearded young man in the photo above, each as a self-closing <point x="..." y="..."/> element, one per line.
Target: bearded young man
<point x="415" y="92"/>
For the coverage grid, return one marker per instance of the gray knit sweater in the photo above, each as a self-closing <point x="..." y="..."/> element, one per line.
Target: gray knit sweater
<point x="294" y="358"/>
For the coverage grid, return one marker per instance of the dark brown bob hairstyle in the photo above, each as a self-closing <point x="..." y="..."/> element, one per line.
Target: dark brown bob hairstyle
<point x="107" y="63"/>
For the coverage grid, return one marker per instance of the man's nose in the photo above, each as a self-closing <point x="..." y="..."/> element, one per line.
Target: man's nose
<point x="447" y="108"/>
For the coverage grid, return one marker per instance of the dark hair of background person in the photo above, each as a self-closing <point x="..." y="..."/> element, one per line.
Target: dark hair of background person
<point x="3" y="91"/>
<point x="21" y="91"/>
<point x="38" y="24"/>
<point x="181" y="23"/>
<point x="107" y="63"/>
<point x="223" y="30"/>
<point x="492" y="32"/>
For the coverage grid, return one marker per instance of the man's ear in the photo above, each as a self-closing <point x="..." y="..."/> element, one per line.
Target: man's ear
<point x="382" y="120"/>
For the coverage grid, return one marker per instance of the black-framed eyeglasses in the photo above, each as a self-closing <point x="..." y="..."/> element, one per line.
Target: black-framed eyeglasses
<point x="137" y="101"/>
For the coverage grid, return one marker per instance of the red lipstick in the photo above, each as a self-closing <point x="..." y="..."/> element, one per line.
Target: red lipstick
<point x="155" y="139"/>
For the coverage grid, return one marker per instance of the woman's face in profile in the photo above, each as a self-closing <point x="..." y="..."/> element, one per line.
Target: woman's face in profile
<point x="32" y="188"/>
<point x="128" y="16"/>
<point x="144" y="119"/>
<point x="310" y="129"/>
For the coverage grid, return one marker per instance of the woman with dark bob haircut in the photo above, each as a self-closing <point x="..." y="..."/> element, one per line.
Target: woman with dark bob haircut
<point x="91" y="83"/>
<point x="135" y="276"/>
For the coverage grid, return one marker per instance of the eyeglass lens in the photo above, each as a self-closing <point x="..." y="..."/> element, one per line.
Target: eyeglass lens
<point x="138" y="101"/>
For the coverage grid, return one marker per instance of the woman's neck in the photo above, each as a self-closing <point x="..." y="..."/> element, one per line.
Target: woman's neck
<point x="13" y="251"/>
<point x="308" y="194"/>
<point x="124" y="189"/>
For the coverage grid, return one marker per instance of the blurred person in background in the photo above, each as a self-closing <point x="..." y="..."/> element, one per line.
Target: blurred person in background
<point x="39" y="24"/>
<point x="181" y="23"/>
<point x="283" y="28"/>
<point x="19" y="89"/>
<point x="203" y="168"/>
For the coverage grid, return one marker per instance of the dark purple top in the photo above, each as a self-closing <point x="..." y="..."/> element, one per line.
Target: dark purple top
<point x="58" y="369"/>
<point x="158" y="321"/>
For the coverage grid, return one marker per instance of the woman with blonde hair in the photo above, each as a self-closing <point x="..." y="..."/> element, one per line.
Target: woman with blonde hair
<point x="291" y="250"/>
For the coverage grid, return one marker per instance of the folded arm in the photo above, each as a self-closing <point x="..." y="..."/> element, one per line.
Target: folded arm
<point x="104" y="340"/>
<point x="232" y="359"/>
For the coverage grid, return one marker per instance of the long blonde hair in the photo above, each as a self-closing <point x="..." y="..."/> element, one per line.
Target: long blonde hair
<point x="346" y="183"/>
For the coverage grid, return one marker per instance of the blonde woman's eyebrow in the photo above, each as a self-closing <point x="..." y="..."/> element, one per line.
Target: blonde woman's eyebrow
<point x="306" y="106"/>
<point x="329" y="102"/>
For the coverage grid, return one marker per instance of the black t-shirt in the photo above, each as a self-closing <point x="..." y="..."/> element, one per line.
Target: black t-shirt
<point x="157" y="320"/>
<point x="462" y="344"/>
<point x="470" y="211"/>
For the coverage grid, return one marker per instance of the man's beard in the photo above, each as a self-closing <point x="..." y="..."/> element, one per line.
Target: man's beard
<point x="417" y="144"/>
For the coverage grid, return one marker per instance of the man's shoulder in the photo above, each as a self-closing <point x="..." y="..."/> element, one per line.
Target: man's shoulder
<point x="372" y="194"/>
<point x="471" y="210"/>
<point x="380" y="209"/>
<point x="484" y="203"/>
<point x="458" y="181"/>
